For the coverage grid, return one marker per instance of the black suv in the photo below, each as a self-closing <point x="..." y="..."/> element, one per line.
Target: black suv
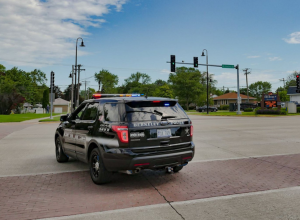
<point x="113" y="133"/>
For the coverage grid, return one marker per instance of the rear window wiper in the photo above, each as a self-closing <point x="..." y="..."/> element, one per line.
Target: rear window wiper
<point x="168" y="116"/>
<point x="155" y="112"/>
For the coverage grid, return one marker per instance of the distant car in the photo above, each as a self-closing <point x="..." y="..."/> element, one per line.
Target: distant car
<point x="245" y="105"/>
<point x="204" y="109"/>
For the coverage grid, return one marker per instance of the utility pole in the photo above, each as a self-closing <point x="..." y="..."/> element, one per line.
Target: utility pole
<point x="246" y="73"/>
<point x="283" y="80"/>
<point x="78" y="86"/>
<point x="72" y="90"/>
<point x="85" y="89"/>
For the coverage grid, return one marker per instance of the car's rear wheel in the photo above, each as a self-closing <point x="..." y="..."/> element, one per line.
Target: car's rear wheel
<point x="98" y="172"/>
<point x="61" y="157"/>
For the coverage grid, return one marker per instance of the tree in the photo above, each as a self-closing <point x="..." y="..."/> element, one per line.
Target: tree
<point x="45" y="101"/>
<point x="291" y="80"/>
<point x="160" y="82"/>
<point x="283" y="96"/>
<point x="186" y="84"/>
<point x="258" y="88"/>
<point x="107" y="80"/>
<point x="139" y="77"/>
<point x="218" y="92"/>
<point x="164" y="91"/>
<point x="138" y="83"/>
<point x="16" y="86"/>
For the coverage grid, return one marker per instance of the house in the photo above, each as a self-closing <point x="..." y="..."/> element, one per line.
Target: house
<point x="60" y="105"/>
<point x="231" y="97"/>
<point x="294" y="96"/>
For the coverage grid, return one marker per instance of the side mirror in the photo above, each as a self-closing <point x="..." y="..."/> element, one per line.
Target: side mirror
<point x="64" y="117"/>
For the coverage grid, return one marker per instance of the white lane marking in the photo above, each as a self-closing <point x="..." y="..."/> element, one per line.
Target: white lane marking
<point x="165" y="205"/>
<point x="238" y="195"/>
<point x="237" y="158"/>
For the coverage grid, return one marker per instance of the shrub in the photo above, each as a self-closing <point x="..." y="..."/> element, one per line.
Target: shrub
<point x="248" y="110"/>
<point x="298" y="109"/>
<point x="270" y="112"/>
<point x="224" y="107"/>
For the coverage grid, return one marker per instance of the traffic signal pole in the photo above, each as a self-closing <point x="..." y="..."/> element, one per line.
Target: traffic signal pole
<point x="223" y="66"/>
<point x="238" y="90"/>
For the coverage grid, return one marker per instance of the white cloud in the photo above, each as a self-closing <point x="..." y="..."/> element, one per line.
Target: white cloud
<point x="32" y="30"/>
<point x="229" y="79"/>
<point x="252" y="57"/>
<point x="275" y="58"/>
<point x="294" y="38"/>
<point x="165" y="71"/>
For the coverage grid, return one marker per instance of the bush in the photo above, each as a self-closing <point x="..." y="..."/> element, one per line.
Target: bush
<point x="298" y="109"/>
<point x="270" y="112"/>
<point x="248" y="110"/>
<point x="224" y="107"/>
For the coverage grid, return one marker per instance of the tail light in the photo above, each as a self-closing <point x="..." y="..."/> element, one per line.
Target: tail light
<point x="122" y="132"/>
<point x="192" y="130"/>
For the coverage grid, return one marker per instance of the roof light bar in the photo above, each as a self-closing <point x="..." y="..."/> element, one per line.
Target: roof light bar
<point x="98" y="96"/>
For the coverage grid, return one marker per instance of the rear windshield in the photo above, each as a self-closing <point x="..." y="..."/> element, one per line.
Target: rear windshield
<point x="154" y="111"/>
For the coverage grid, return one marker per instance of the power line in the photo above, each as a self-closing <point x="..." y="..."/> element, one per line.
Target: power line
<point x="283" y="80"/>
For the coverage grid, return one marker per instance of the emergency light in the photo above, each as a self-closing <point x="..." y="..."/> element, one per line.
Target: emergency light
<point x="98" y="96"/>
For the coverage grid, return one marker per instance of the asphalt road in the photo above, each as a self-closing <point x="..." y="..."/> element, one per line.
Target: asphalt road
<point x="28" y="149"/>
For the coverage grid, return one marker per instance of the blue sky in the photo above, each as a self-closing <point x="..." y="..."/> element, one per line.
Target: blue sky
<point x="129" y="36"/>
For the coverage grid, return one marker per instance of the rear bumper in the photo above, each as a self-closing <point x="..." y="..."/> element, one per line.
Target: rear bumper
<point x="125" y="159"/>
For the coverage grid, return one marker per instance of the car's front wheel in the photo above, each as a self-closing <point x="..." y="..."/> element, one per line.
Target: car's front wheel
<point x="61" y="157"/>
<point x="98" y="172"/>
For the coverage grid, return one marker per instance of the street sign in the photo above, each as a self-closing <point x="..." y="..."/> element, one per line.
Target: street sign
<point x="227" y="66"/>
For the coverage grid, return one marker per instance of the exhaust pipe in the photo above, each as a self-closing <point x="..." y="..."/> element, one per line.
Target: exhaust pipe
<point x="131" y="172"/>
<point x="137" y="170"/>
<point x="169" y="169"/>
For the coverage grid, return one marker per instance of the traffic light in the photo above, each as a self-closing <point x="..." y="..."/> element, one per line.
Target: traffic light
<point x="172" y="63"/>
<point x="195" y="61"/>
<point x="52" y="79"/>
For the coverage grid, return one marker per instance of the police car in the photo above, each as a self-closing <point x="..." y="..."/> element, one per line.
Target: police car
<point x="126" y="133"/>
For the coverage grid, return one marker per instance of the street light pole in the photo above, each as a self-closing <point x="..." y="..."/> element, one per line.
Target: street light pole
<point x="82" y="45"/>
<point x="207" y="100"/>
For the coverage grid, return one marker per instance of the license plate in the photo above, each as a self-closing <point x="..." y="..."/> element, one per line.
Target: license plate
<point x="163" y="133"/>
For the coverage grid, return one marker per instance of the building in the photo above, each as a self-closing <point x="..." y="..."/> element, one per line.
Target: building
<point x="60" y="105"/>
<point x="231" y="97"/>
<point x="294" y="96"/>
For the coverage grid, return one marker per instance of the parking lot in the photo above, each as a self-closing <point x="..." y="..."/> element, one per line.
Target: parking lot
<point x="244" y="168"/>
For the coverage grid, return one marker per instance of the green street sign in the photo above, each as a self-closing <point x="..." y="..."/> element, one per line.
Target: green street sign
<point x="227" y="66"/>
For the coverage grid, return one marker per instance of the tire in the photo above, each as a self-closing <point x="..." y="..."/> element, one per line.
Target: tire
<point x="202" y="110"/>
<point x="98" y="172"/>
<point x="61" y="157"/>
<point x="215" y="110"/>
<point x="177" y="169"/>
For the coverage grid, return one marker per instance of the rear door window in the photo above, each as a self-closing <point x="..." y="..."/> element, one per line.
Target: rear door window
<point x="111" y="112"/>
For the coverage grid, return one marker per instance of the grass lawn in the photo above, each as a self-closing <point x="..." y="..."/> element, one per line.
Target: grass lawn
<point x="228" y="113"/>
<point x="22" y="117"/>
